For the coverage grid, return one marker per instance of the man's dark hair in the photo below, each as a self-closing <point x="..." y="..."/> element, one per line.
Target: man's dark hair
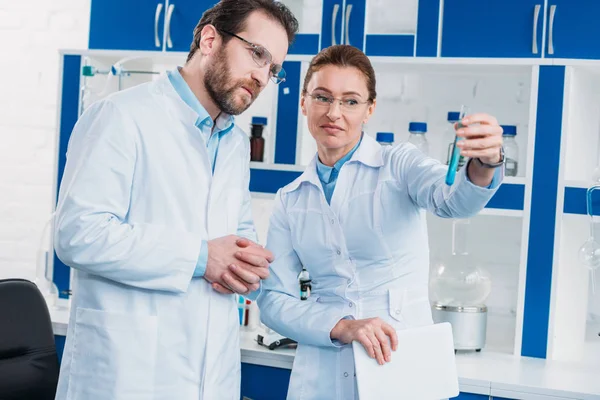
<point x="231" y="15"/>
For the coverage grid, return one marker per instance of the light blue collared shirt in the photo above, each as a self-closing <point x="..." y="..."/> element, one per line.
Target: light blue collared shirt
<point x="328" y="175"/>
<point x="210" y="133"/>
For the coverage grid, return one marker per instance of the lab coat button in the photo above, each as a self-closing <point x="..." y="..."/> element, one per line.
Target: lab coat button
<point x="350" y="305"/>
<point x="332" y="222"/>
<point x="345" y="374"/>
<point x="338" y="252"/>
<point x="397" y="312"/>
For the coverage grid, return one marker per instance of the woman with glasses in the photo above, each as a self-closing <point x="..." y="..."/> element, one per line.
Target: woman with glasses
<point x="354" y="223"/>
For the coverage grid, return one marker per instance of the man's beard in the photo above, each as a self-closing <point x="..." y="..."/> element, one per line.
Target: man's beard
<point x="216" y="80"/>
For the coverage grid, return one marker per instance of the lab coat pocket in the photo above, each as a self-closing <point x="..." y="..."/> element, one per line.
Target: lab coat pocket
<point x="410" y="308"/>
<point x="114" y="356"/>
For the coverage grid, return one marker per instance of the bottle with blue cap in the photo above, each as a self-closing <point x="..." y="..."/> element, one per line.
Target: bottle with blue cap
<point x="511" y="150"/>
<point x="257" y="142"/>
<point x="417" y="136"/>
<point x="453" y="117"/>
<point x="385" y="138"/>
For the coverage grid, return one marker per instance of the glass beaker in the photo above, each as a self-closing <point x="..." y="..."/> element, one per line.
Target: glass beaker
<point x="589" y="252"/>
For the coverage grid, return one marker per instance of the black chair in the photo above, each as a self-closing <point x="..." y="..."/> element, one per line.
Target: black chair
<point x="28" y="360"/>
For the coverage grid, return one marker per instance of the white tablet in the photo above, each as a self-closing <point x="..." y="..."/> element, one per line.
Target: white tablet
<point x="422" y="368"/>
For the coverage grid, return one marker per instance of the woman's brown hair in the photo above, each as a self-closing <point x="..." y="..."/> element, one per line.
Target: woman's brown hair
<point x="343" y="55"/>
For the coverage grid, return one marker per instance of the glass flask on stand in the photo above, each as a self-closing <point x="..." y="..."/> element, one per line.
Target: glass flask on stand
<point x="459" y="289"/>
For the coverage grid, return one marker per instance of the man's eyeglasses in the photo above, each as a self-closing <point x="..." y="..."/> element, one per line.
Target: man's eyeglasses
<point x="262" y="57"/>
<point x="348" y="104"/>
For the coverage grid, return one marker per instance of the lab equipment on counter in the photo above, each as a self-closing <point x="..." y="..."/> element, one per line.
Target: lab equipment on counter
<point x="423" y="367"/>
<point x="459" y="289"/>
<point x="257" y="142"/>
<point x="455" y="159"/>
<point x="385" y="138"/>
<point x="511" y="150"/>
<point x="418" y="136"/>
<point x="589" y="252"/>
<point x="273" y="340"/>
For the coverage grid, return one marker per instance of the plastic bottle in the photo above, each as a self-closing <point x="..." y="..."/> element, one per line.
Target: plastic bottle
<point x="385" y="138"/>
<point x="257" y="142"/>
<point x="418" y="137"/>
<point x="511" y="150"/>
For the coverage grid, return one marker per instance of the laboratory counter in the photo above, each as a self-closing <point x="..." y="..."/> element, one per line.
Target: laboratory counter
<point x="485" y="373"/>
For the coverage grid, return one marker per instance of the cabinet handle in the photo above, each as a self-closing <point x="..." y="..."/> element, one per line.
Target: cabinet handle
<point x="159" y="8"/>
<point x="336" y="8"/>
<point x="347" y="27"/>
<point x="536" y="17"/>
<point x="551" y="30"/>
<point x="168" y="25"/>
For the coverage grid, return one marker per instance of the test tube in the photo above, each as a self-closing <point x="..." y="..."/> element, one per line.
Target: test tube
<point x="453" y="164"/>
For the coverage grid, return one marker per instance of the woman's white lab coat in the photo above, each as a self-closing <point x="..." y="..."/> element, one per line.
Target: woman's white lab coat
<point x="367" y="254"/>
<point x="136" y="200"/>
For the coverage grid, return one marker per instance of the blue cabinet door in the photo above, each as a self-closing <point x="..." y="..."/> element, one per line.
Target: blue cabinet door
<point x="184" y="16"/>
<point x="471" y="396"/>
<point x="264" y="383"/>
<point x="573" y="29"/>
<point x="331" y="23"/>
<point x="127" y="24"/>
<point x="354" y="23"/>
<point x="492" y="28"/>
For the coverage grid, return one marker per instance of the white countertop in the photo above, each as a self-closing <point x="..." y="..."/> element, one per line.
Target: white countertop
<point x="487" y="372"/>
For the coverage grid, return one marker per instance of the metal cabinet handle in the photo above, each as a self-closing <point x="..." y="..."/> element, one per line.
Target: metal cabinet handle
<point x="336" y="8"/>
<point x="168" y="25"/>
<point x="347" y="27"/>
<point x="536" y="17"/>
<point x="159" y="8"/>
<point x="551" y="30"/>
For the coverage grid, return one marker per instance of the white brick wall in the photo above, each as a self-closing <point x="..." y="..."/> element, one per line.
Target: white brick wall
<point x="31" y="32"/>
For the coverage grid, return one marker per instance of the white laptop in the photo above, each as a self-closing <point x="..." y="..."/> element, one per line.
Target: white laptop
<point x="422" y="368"/>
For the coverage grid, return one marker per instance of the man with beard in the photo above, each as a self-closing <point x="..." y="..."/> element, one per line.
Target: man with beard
<point x="154" y="218"/>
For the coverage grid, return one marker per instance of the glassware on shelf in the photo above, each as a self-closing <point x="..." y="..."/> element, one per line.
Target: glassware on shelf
<point x="418" y="137"/>
<point x="511" y="150"/>
<point x="257" y="141"/>
<point x="589" y="252"/>
<point x="459" y="281"/>
<point x="385" y="138"/>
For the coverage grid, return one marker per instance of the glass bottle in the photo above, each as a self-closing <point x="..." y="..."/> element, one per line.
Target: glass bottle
<point x="257" y="142"/>
<point x="418" y="137"/>
<point x="385" y="138"/>
<point x="511" y="150"/>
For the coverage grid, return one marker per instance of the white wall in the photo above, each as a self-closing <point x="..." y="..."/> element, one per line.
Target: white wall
<point x="31" y="32"/>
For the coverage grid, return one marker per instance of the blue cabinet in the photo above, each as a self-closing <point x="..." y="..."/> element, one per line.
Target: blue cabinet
<point x="385" y="30"/>
<point x="471" y="396"/>
<point x="493" y="28"/>
<point x="264" y="383"/>
<point x="158" y="25"/>
<point x="332" y="23"/>
<point x="127" y="24"/>
<point x="182" y="16"/>
<point x="573" y="29"/>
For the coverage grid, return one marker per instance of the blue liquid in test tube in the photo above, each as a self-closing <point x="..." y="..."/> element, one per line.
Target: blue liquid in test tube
<point x="453" y="164"/>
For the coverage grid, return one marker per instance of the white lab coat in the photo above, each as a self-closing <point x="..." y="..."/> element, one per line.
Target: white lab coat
<point x="367" y="255"/>
<point x="136" y="200"/>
